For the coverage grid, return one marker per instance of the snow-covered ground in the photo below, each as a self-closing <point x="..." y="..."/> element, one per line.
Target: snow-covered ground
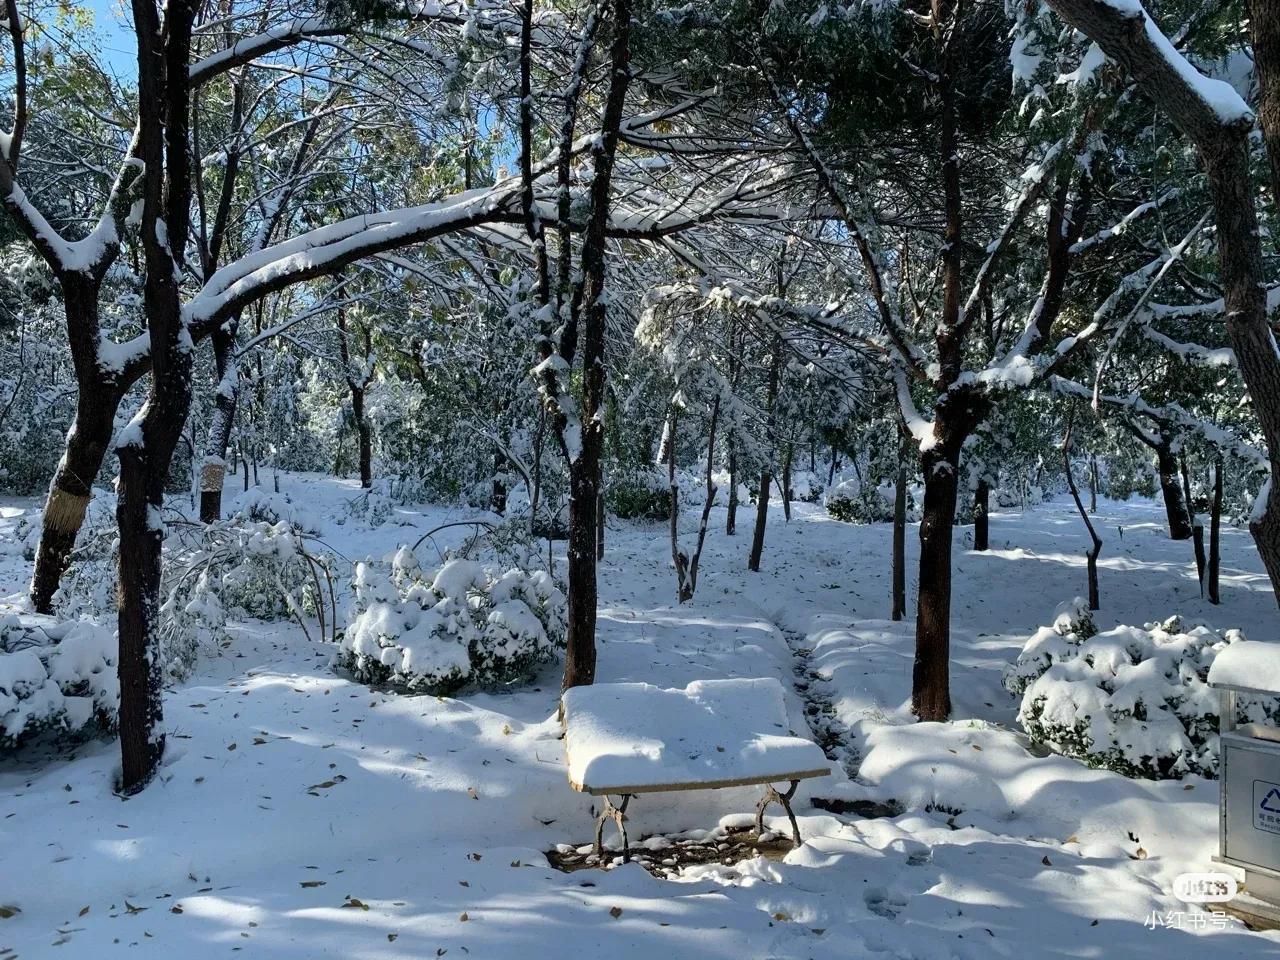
<point x="300" y="815"/>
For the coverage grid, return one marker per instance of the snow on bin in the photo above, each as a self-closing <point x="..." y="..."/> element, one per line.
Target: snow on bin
<point x="1249" y="779"/>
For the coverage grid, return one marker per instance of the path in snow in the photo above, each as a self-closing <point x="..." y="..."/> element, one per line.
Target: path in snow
<point x="829" y="731"/>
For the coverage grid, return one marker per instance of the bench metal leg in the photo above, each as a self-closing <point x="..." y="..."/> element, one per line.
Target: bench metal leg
<point x="618" y="815"/>
<point x="784" y="800"/>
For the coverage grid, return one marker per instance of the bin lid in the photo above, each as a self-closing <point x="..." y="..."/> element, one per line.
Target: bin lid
<point x="1250" y="665"/>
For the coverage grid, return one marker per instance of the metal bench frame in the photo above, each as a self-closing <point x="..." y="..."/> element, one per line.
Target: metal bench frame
<point x="617" y="812"/>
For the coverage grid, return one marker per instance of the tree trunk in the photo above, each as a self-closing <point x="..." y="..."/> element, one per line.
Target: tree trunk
<point x="86" y="447"/>
<point x="71" y="489"/>
<point x="762" y="516"/>
<point x="141" y="697"/>
<point x="498" y="491"/>
<point x="931" y="680"/>
<point x="1091" y="556"/>
<point x="679" y="559"/>
<point x="1093" y="484"/>
<point x="356" y="382"/>
<point x="600" y="517"/>
<point x="981" y="498"/>
<point x="214" y="469"/>
<point x="1215" y="533"/>
<point x="580" y="649"/>
<point x="1264" y="27"/>
<point x="900" y="535"/>
<point x="766" y="475"/>
<point x="1171" y="489"/>
<point x="786" y="483"/>
<point x="584" y="469"/>
<point x="146" y="450"/>
<point x="710" y="499"/>
<point x="1197" y="528"/>
<point x="731" y="516"/>
<point x="364" y="434"/>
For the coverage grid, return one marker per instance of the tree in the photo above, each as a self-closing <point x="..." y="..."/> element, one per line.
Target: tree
<point x="1218" y="122"/>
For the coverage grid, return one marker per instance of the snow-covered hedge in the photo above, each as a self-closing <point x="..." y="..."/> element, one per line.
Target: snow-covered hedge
<point x="432" y="631"/>
<point x="1129" y="699"/>
<point x="58" y="677"/>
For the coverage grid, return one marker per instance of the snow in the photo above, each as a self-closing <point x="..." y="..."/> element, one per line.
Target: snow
<point x="288" y="790"/>
<point x="1249" y="665"/>
<point x="711" y="731"/>
<point x="1218" y="95"/>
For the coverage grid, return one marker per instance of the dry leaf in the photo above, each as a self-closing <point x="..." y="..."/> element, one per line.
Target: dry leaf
<point x="615" y="912"/>
<point x="464" y="918"/>
<point x="8" y="910"/>
<point x="308" y="884"/>
<point x="356" y="903"/>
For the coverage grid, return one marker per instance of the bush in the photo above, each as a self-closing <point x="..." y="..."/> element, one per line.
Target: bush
<point x="258" y="505"/>
<point x="643" y="495"/>
<point x="856" y="502"/>
<point x="56" y="677"/>
<point x="807" y="486"/>
<point x="435" y="631"/>
<point x="265" y="570"/>
<point x="374" y="506"/>
<point x="1130" y="699"/>
<point x="88" y="588"/>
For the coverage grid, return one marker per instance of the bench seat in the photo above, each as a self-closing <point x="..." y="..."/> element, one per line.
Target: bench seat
<point x="625" y="739"/>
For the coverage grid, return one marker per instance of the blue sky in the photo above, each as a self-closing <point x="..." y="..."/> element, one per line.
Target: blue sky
<point x="118" y="44"/>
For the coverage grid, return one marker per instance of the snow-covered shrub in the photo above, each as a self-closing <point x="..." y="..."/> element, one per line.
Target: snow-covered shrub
<point x="260" y="505"/>
<point x="432" y="631"/>
<point x="374" y="506"/>
<point x="261" y="569"/>
<point x="264" y="570"/>
<point x="56" y="677"/>
<point x="1072" y="625"/>
<point x="1129" y="699"/>
<point x="808" y="486"/>
<point x="855" y="502"/>
<point x="640" y="495"/>
<point x="88" y="588"/>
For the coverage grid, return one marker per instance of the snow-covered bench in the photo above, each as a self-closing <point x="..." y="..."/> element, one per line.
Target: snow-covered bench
<point x="622" y="739"/>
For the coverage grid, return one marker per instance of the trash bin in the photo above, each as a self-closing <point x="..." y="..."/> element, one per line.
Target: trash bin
<point x="1249" y="779"/>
